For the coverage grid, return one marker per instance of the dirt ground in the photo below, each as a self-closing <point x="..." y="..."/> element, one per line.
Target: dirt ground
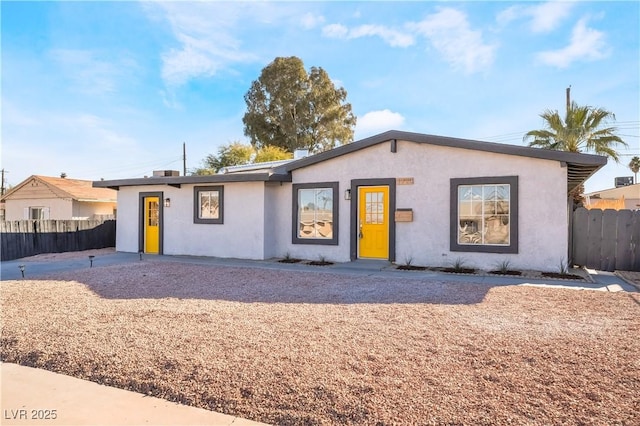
<point x="294" y="348"/>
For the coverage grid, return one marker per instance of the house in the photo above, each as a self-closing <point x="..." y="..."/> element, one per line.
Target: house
<point x="397" y="196"/>
<point x="44" y="197"/>
<point x="623" y="197"/>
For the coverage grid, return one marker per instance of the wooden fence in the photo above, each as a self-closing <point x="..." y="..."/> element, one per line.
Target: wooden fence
<point x="606" y="240"/>
<point x="21" y="238"/>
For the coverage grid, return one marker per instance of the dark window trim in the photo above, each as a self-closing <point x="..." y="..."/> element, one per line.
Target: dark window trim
<point x="513" y="214"/>
<point x="355" y="184"/>
<point x="196" y="204"/>
<point x="141" y="197"/>
<point x="294" y="202"/>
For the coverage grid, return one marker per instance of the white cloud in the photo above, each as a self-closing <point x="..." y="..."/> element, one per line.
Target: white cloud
<point x="89" y="74"/>
<point x="204" y="32"/>
<point x="451" y="35"/>
<point x="587" y="44"/>
<point x="335" y="31"/>
<point x="392" y="37"/>
<point x="310" y="21"/>
<point x="545" y="17"/>
<point x="378" y="121"/>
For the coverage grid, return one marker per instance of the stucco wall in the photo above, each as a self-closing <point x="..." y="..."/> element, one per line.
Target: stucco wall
<point x="425" y="241"/>
<point x="59" y="209"/>
<point x="241" y="235"/>
<point x="88" y="210"/>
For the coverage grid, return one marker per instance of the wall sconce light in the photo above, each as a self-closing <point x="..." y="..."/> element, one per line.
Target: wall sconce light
<point x="347" y="194"/>
<point x="21" y="270"/>
<point x="167" y="202"/>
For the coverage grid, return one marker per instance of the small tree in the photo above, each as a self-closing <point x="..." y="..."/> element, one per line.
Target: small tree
<point x="271" y="153"/>
<point x="237" y="154"/>
<point x="232" y="154"/>
<point x="634" y="165"/>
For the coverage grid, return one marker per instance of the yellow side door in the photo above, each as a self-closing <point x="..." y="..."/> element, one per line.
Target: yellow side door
<point x="152" y="225"/>
<point x="373" y="222"/>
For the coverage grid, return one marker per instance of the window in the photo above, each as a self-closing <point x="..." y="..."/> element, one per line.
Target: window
<point x="38" y="213"/>
<point x="315" y="213"/>
<point x="484" y="214"/>
<point x="208" y="204"/>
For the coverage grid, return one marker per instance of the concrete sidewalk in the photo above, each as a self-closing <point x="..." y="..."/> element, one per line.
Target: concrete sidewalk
<point x="32" y="396"/>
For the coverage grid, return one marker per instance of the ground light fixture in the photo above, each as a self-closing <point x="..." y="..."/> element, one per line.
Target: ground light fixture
<point x="140" y="253"/>
<point x="91" y="261"/>
<point x="21" y="269"/>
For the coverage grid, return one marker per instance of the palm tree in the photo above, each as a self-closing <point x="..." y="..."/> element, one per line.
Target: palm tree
<point x="634" y="165"/>
<point x="584" y="129"/>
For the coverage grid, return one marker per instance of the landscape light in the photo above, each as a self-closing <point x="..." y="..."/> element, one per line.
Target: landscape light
<point x="21" y="270"/>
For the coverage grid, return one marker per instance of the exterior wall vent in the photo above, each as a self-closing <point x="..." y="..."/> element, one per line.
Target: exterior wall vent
<point x="165" y="173"/>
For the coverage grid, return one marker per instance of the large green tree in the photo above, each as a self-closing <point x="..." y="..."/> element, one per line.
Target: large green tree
<point x="290" y="108"/>
<point x="583" y="129"/>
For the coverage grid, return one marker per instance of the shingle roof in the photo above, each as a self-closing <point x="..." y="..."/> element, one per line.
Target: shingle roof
<point x="79" y="190"/>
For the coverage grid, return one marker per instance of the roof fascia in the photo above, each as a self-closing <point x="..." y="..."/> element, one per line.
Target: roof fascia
<point x="58" y="192"/>
<point x="524" y="151"/>
<point x="184" y="180"/>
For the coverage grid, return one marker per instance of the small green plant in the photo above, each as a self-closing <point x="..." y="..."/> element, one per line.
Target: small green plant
<point x="504" y="266"/>
<point x="458" y="265"/>
<point x="287" y="256"/>
<point x="408" y="260"/>
<point x="563" y="267"/>
<point x="322" y="259"/>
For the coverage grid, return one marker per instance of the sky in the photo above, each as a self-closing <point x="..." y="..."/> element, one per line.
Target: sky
<point x="112" y="90"/>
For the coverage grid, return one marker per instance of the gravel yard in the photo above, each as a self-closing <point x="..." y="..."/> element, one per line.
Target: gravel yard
<point x="316" y="348"/>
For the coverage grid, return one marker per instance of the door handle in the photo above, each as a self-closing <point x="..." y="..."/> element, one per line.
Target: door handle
<point x="360" y="235"/>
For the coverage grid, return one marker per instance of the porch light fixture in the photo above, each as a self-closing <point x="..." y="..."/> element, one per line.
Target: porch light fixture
<point x="21" y="270"/>
<point x="347" y="194"/>
<point x="167" y="202"/>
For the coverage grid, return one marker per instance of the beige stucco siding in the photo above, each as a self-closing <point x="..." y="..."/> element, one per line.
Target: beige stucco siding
<point x="542" y="206"/>
<point x="89" y="209"/>
<point x="58" y="208"/>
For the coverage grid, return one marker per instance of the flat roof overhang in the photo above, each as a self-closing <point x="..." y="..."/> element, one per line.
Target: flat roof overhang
<point x="177" y="181"/>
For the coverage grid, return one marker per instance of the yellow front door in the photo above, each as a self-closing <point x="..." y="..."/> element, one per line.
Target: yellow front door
<point x="152" y="225"/>
<point x="373" y="222"/>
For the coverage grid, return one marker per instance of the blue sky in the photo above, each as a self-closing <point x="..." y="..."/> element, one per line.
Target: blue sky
<point x="112" y="89"/>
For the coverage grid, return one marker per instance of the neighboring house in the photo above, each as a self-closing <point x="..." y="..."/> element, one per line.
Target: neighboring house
<point x="397" y="196"/>
<point x="44" y="197"/>
<point x="623" y="197"/>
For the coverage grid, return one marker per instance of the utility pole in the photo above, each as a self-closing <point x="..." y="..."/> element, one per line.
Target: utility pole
<point x="2" y="186"/>
<point x="568" y="98"/>
<point x="184" y="159"/>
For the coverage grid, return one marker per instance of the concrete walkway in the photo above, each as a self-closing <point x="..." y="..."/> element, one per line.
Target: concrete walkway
<point x="32" y="396"/>
<point x="598" y="280"/>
